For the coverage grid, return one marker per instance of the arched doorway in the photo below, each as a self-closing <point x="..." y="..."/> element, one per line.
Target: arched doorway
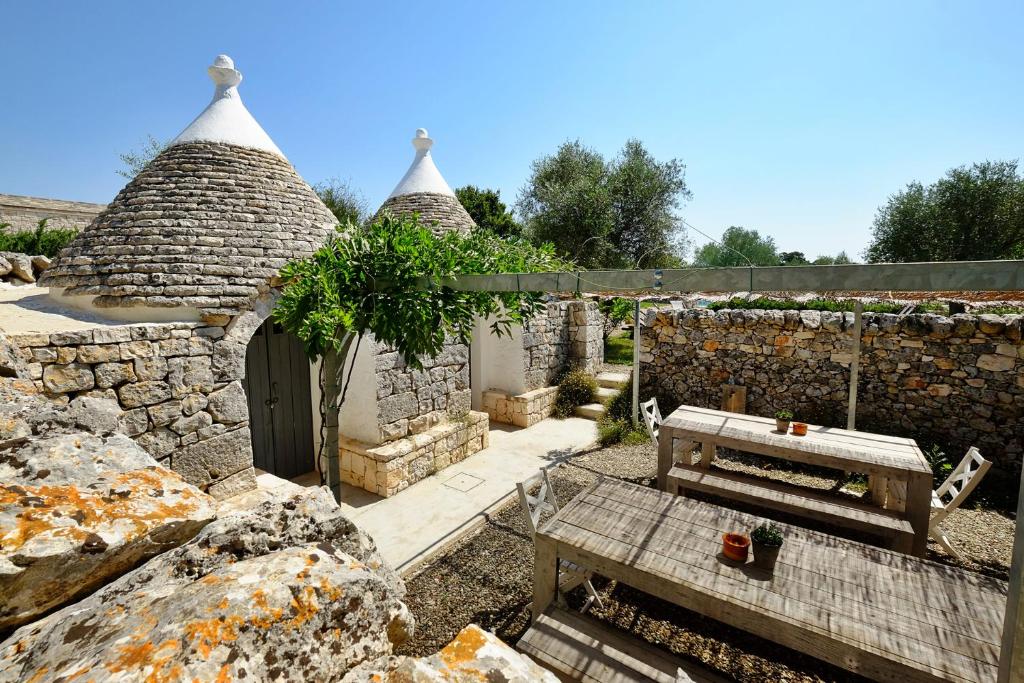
<point x="277" y="387"/>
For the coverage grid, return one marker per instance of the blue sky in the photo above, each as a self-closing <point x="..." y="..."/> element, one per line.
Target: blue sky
<point x="797" y="119"/>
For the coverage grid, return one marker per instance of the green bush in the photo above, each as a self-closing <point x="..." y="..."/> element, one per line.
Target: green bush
<point x="575" y="389"/>
<point x="812" y="305"/>
<point x="41" y="241"/>
<point x="620" y="407"/>
<point x="611" y="431"/>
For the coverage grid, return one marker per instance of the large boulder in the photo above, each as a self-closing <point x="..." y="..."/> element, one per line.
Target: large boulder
<point x="287" y="591"/>
<point x="21" y="265"/>
<point x="77" y="510"/>
<point x="475" y="655"/>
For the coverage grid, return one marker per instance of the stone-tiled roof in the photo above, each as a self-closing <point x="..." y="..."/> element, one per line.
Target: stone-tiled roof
<point x="205" y="225"/>
<point x="441" y="212"/>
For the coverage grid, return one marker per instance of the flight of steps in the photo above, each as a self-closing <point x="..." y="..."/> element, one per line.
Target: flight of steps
<point x="608" y="384"/>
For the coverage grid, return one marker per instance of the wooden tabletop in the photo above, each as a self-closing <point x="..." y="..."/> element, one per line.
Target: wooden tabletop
<point x="883" y="614"/>
<point x="828" y="446"/>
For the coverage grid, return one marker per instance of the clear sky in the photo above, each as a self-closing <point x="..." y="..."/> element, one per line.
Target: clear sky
<point x="797" y="119"/>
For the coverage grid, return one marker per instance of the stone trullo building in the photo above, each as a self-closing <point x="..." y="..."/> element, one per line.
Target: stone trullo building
<point x="186" y="256"/>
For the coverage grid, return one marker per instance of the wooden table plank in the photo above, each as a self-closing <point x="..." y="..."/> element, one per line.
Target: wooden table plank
<point x="869" y="610"/>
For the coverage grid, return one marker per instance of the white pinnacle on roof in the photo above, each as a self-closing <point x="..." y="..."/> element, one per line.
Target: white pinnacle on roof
<point x="422" y="175"/>
<point x="226" y="119"/>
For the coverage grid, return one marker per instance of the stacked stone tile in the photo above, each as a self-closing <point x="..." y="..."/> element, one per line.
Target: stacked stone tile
<point x="205" y="225"/>
<point x="443" y="213"/>
<point x="954" y="380"/>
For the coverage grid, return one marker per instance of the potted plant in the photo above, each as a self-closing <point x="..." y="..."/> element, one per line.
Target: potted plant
<point x="767" y="541"/>
<point x="782" y="419"/>
<point x="800" y="429"/>
<point x="735" y="546"/>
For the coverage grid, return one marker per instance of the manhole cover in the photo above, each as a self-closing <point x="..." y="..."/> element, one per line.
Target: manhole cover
<point x="463" y="482"/>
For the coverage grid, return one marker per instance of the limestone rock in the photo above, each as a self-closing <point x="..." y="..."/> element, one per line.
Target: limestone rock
<point x="5" y="266"/>
<point x="214" y="458"/>
<point x="11" y="364"/>
<point x="65" y="379"/>
<point x="21" y="266"/>
<point x="40" y="263"/>
<point x="96" y="415"/>
<point x="475" y="655"/>
<point x="229" y="405"/>
<point x="77" y="510"/>
<point x="289" y="591"/>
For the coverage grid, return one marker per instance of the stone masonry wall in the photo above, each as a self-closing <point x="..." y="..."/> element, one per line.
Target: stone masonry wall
<point x="957" y="381"/>
<point x="178" y="385"/>
<point x="566" y="333"/>
<point x="412" y="401"/>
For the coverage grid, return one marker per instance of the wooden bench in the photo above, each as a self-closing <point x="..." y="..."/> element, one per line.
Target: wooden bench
<point x="830" y="509"/>
<point x="578" y="648"/>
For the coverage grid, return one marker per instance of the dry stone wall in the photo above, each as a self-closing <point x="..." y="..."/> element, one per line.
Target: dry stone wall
<point x="957" y="381"/>
<point x="178" y="386"/>
<point x="566" y="333"/>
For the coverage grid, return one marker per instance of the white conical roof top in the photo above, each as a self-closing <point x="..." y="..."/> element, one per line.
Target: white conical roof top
<point x="422" y="175"/>
<point x="226" y="119"/>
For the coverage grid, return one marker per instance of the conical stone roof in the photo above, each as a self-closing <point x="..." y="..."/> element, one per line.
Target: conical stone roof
<point x="205" y="225"/>
<point x="422" y="190"/>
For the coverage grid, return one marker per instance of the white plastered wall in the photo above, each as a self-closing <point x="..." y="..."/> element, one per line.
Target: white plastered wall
<point x="496" y="362"/>
<point x="358" y="418"/>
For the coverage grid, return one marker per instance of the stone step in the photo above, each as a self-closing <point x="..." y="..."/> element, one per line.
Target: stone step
<point x="605" y="394"/>
<point x="591" y="411"/>
<point x="612" y="380"/>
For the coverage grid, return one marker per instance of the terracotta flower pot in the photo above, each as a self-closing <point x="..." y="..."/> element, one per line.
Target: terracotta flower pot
<point x="800" y="429"/>
<point x="765" y="556"/>
<point x="735" y="546"/>
<point x="782" y="425"/>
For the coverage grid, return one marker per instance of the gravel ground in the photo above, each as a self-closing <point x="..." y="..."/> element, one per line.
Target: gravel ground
<point x="488" y="579"/>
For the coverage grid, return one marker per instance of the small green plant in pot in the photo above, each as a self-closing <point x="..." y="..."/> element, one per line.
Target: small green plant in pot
<point x="782" y="420"/>
<point x="767" y="541"/>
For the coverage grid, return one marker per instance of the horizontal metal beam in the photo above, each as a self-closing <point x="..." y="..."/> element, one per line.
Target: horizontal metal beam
<point x="981" y="276"/>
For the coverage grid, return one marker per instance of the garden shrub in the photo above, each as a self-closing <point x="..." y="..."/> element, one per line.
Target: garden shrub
<point x="835" y="305"/>
<point x="41" y="241"/>
<point x="575" y="389"/>
<point x="611" y="431"/>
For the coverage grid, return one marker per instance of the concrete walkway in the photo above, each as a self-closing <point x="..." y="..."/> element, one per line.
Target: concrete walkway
<point x="432" y="514"/>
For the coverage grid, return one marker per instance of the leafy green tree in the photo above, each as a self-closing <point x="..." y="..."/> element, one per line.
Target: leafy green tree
<point x="43" y="240"/>
<point x="346" y="203"/>
<point x="606" y="214"/>
<point x="839" y="259"/>
<point x="488" y="211"/>
<point x="369" y="279"/>
<point x="793" y="258"/>
<point x="738" y="247"/>
<point x="973" y="213"/>
<point x="136" y="160"/>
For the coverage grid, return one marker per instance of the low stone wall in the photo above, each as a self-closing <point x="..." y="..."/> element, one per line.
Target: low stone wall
<point x="958" y="380"/>
<point x="566" y="333"/>
<point x="392" y="467"/>
<point x="524" y="410"/>
<point x="178" y="385"/>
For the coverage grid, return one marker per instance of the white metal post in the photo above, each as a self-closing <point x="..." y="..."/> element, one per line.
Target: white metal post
<point x="851" y="409"/>
<point x="636" y="362"/>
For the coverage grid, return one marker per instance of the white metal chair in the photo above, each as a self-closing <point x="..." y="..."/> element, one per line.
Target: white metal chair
<point x="652" y="418"/>
<point x="957" y="487"/>
<point x="569" y="575"/>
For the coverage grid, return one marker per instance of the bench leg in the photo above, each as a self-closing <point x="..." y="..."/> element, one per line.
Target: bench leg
<point x="545" y="575"/>
<point x="707" y="454"/>
<point x="879" y="487"/>
<point x="665" y="446"/>
<point x="919" y="507"/>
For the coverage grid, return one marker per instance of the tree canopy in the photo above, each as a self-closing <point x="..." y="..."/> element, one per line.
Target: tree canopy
<point x="973" y="213"/>
<point x="136" y="160"/>
<point x="346" y="203"/>
<point x="739" y="247"/>
<point x="488" y="211"/>
<point x="610" y="214"/>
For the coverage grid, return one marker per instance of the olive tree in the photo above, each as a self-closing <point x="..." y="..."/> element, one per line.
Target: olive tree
<point x="385" y="278"/>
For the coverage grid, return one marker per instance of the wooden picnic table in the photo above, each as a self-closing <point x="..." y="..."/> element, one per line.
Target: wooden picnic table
<point x="879" y="613"/>
<point x="892" y="463"/>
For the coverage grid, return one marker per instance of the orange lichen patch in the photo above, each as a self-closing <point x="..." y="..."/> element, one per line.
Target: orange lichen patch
<point x="210" y="579"/>
<point x="305" y="606"/>
<point x="223" y="604"/>
<point x="142" y="654"/>
<point x="464" y="648"/>
<point x="38" y="675"/>
<point x="272" y="615"/>
<point x="223" y="676"/>
<point x="54" y="506"/>
<point x="213" y="632"/>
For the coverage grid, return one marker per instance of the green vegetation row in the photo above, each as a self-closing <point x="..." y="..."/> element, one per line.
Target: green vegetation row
<point x="41" y="241"/>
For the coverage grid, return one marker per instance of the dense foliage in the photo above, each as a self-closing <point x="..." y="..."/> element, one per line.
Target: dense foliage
<point x="576" y="388"/>
<point x="346" y="203"/>
<point x="615" y="310"/>
<point x="974" y="213"/>
<point x="43" y="240"/>
<point x="738" y="247"/>
<point x="607" y="214"/>
<point x="616" y="425"/>
<point x="488" y="211"/>
<point x="764" y="303"/>
<point x="369" y="279"/>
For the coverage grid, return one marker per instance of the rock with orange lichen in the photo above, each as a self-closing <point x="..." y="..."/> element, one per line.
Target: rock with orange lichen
<point x="475" y="656"/>
<point x="244" y="600"/>
<point x="78" y="510"/>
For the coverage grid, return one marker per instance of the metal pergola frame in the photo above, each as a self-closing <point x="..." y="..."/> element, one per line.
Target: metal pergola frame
<point x="958" y="276"/>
